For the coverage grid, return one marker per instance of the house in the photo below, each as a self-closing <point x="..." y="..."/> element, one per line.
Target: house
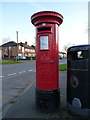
<point x="62" y="55"/>
<point x="25" y="50"/>
<point x="0" y="53"/>
<point x="12" y="50"/>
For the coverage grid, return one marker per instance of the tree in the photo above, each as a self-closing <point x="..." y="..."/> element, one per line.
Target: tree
<point x="5" y="40"/>
<point x="65" y="47"/>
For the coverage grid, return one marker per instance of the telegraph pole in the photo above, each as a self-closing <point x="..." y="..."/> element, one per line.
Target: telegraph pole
<point x="17" y="45"/>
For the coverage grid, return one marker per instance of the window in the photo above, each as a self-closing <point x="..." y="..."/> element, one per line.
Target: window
<point x="19" y="47"/>
<point x="23" y="49"/>
<point x="6" y="49"/>
<point x="9" y="47"/>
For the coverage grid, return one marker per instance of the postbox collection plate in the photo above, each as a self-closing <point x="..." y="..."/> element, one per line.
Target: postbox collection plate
<point x="44" y="43"/>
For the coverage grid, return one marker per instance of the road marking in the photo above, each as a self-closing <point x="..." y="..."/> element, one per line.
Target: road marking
<point x="2" y="76"/>
<point x="11" y="74"/>
<point x="16" y="73"/>
<point x="30" y="70"/>
<point x="22" y="71"/>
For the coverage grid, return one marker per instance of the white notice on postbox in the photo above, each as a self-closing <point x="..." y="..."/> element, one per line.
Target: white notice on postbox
<point x="44" y="43"/>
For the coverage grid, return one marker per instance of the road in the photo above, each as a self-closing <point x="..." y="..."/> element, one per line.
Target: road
<point x="62" y="61"/>
<point x="16" y="78"/>
<point x="15" y="69"/>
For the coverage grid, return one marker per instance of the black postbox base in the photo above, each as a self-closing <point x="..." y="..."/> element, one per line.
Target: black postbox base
<point x="48" y="100"/>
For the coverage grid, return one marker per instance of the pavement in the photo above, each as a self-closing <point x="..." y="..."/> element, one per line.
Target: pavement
<point x="24" y="106"/>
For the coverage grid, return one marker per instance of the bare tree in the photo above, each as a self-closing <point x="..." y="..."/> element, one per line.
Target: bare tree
<point x="65" y="47"/>
<point x="7" y="39"/>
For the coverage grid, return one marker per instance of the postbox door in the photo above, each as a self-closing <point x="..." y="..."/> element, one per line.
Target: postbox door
<point x="46" y="62"/>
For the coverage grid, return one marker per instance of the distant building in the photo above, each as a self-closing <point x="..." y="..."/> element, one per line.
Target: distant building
<point x="62" y="55"/>
<point x="25" y="50"/>
<point x="12" y="49"/>
<point x="0" y="53"/>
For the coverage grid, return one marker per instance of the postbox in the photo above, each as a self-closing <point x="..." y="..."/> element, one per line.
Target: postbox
<point x="47" y="59"/>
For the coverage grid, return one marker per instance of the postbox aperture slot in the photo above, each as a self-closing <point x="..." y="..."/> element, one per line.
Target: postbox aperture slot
<point x="44" y="42"/>
<point x="44" y="29"/>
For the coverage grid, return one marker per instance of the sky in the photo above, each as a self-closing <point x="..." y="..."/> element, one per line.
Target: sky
<point x="16" y="16"/>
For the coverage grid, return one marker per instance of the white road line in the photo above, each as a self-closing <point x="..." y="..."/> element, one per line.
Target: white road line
<point x="2" y="76"/>
<point x="30" y="70"/>
<point x="11" y="74"/>
<point x="34" y="70"/>
<point x="22" y="71"/>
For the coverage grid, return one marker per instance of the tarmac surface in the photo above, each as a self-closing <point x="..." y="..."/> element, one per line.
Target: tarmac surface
<point x="24" y="106"/>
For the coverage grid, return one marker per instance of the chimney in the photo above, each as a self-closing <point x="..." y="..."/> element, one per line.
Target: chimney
<point x="26" y="43"/>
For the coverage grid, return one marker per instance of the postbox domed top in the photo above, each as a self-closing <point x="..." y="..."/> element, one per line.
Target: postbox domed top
<point x="46" y="17"/>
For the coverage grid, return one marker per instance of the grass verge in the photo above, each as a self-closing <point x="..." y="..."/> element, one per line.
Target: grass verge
<point x="12" y="102"/>
<point x="10" y="62"/>
<point x="63" y="67"/>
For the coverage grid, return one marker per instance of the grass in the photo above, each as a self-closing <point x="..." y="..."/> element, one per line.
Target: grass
<point x="10" y="62"/>
<point x="63" y="67"/>
<point x="12" y="102"/>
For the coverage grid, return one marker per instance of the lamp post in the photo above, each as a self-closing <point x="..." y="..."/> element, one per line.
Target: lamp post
<point x="17" y="45"/>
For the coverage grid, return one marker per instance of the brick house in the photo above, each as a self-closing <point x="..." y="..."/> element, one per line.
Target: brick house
<point x="12" y="49"/>
<point x="25" y="50"/>
<point x="0" y="53"/>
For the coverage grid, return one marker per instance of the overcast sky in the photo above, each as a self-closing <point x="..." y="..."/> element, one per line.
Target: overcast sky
<point x="16" y="17"/>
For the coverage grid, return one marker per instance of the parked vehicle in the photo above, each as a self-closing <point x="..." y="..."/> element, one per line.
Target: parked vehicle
<point x="21" y="57"/>
<point x="60" y="57"/>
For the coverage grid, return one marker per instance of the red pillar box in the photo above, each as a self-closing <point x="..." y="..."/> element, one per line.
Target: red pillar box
<point x="47" y="82"/>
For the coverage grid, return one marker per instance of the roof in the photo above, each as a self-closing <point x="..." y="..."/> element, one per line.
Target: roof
<point x="25" y="45"/>
<point x="11" y="43"/>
